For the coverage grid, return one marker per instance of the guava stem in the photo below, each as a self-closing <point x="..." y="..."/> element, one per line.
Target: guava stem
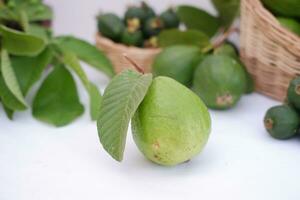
<point x="136" y="66"/>
<point x="219" y="41"/>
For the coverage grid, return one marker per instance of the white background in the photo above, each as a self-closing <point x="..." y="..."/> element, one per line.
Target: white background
<point x="40" y="162"/>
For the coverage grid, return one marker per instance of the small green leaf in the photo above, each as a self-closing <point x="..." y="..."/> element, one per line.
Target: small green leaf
<point x="195" y="18"/>
<point x="8" y="99"/>
<point x="120" y="101"/>
<point x="39" y="31"/>
<point x="29" y="69"/>
<point x="87" y="53"/>
<point x="20" y="43"/>
<point x="10" y="78"/>
<point x="9" y="112"/>
<point x="57" y="101"/>
<point x="95" y="101"/>
<point x="71" y="60"/>
<point x="228" y="10"/>
<point x="189" y="37"/>
<point x="38" y="12"/>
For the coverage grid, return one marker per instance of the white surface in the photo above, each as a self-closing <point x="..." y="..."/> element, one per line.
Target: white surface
<point x="39" y="162"/>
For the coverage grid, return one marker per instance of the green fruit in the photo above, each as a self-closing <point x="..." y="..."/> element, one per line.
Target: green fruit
<point x="177" y="62"/>
<point x="220" y="81"/>
<point x="110" y="26"/>
<point x="293" y="94"/>
<point x="149" y="12"/>
<point x="171" y="125"/>
<point x="282" y="122"/>
<point x="289" y="8"/>
<point x="231" y="51"/>
<point x="290" y="24"/>
<point x="132" y="38"/>
<point x="142" y="13"/>
<point x="152" y="27"/>
<point x="170" y="19"/>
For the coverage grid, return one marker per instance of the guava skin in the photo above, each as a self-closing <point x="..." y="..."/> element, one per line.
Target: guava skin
<point x="220" y="81"/>
<point x="172" y="124"/>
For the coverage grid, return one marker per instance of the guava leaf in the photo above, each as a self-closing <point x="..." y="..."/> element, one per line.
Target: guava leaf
<point x="29" y="69"/>
<point x="195" y="18"/>
<point x="95" y="101"/>
<point x="57" y="101"/>
<point x="71" y="60"/>
<point x="121" y="99"/>
<point x="9" y="112"/>
<point x="228" y="10"/>
<point x="38" y="11"/>
<point x="20" y="43"/>
<point x="189" y="37"/>
<point x="10" y="78"/>
<point x="39" y="31"/>
<point x="8" y="99"/>
<point x="87" y="53"/>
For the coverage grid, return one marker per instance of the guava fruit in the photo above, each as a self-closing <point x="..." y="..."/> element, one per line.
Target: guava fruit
<point x="177" y="62"/>
<point x="133" y="24"/>
<point x="220" y="81"/>
<point x="170" y="19"/>
<point x="143" y="12"/>
<point x="153" y="26"/>
<point x="230" y="50"/>
<point x="293" y="93"/>
<point x="290" y="24"/>
<point x="172" y="124"/>
<point x="132" y="38"/>
<point x="282" y="122"/>
<point x="110" y="26"/>
<point x="289" y="8"/>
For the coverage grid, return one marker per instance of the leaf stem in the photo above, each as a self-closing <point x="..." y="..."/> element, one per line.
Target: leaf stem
<point x="136" y="66"/>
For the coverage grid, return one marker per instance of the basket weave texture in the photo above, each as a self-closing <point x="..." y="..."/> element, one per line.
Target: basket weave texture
<point x="115" y="52"/>
<point x="270" y="52"/>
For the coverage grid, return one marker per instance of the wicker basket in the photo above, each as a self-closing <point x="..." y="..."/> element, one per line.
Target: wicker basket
<point x="270" y="52"/>
<point x="115" y="52"/>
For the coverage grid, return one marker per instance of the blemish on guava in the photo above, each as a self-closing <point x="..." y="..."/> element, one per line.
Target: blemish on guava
<point x="224" y="100"/>
<point x="297" y="89"/>
<point x="156" y="145"/>
<point x="269" y="123"/>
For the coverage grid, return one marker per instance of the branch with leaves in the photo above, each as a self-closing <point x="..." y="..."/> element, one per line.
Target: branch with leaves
<point x="27" y="48"/>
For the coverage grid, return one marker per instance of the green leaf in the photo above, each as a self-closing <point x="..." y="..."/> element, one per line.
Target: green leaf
<point x="10" y="78"/>
<point x="9" y="113"/>
<point x="38" y="12"/>
<point x="29" y="69"/>
<point x="195" y="18"/>
<point x="39" y="31"/>
<point x="57" y="101"/>
<point x="20" y="43"/>
<point x="87" y="53"/>
<point x="71" y="60"/>
<point x="95" y="101"/>
<point x="189" y="37"/>
<point x="8" y="99"/>
<point x="228" y="10"/>
<point x="24" y="21"/>
<point x="120" y="101"/>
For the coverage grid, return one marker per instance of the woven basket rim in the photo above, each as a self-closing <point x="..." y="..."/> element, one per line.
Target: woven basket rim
<point x="124" y="48"/>
<point x="265" y="15"/>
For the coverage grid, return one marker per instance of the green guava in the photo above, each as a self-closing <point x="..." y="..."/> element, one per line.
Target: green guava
<point x="110" y="26"/>
<point x="282" y="122"/>
<point x="172" y="124"/>
<point x="153" y="26"/>
<point x="178" y="62"/>
<point x="132" y="38"/>
<point x="220" y="81"/>
<point x="293" y="94"/>
<point x="170" y="19"/>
